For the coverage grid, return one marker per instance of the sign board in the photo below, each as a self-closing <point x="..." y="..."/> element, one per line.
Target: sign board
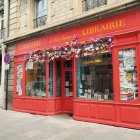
<point x="6" y="66"/>
<point x="7" y="58"/>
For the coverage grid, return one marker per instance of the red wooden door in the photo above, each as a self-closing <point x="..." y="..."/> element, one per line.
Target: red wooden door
<point x="67" y="86"/>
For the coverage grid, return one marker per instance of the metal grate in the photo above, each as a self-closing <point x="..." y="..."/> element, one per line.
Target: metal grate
<point x="91" y="4"/>
<point x="2" y="33"/>
<point x="40" y="21"/>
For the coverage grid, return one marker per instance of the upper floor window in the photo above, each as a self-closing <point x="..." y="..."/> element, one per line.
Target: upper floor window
<point x="2" y="30"/>
<point x="1" y="3"/>
<point x="40" y="12"/>
<point x="91" y="4"/>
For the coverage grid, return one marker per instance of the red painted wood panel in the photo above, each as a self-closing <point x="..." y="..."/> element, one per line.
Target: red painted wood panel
<point x="127" y="39"/>
<point x="106" y="112"/>
<point x="93" y="111"/>
<point x="81" y="109"/>
<point x="27" y="104"/>
<point x="67" y="104"/>
<point x="51" y="106"/>
<point x="130" y="114"/>
<point x="38" y="105"/>
<point x="58" y="105"/>
<point x="18" y="103"/>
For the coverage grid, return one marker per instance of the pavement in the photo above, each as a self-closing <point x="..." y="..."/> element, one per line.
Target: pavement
<point x="25" y="126"/>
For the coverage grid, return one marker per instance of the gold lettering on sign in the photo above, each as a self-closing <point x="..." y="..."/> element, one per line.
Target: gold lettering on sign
<point x="92" y="61"/>
<point x="122" y="22"/>
<point x="37" y="68"/>
<point x="104" y="27"/>
<point x="30" y="45"/>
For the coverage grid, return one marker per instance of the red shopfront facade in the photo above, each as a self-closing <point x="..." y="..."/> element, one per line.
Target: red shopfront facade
<point x="119" y="105"/>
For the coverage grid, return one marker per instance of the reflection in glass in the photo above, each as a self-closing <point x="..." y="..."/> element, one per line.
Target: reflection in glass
<point x="128" y="75"/>
<point x="36" y="80"/>
<point x="95" y="77"/>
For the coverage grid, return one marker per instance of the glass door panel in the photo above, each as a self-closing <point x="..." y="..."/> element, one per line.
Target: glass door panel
<point x="68" y="84"/>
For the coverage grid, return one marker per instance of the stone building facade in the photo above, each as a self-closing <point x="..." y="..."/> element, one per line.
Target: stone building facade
<point x="23" y="22"/>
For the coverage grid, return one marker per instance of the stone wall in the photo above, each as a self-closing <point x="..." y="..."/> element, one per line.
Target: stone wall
<point x="22" y="13"/>
<point x="11" y="51"/>
<point x="61" y="10"/>
<point x="13" y="17"/>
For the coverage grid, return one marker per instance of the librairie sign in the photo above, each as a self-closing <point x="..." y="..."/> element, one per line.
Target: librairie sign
<point x="104" y="27"/>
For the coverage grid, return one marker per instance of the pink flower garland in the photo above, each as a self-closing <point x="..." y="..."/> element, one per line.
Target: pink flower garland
<point x="71" y="48"/>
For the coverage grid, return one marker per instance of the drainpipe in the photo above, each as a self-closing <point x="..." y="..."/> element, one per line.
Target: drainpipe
<point x="2" y="94"/>
<point x="6" y="94"/>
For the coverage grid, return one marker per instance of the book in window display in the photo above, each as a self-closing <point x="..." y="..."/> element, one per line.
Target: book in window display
<point x="128" y="75"/>
<point x="94" y="78"/>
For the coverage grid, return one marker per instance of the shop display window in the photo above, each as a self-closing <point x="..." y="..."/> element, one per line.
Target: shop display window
<point x="36" y="79"/>
<point x="19" y="79"/>
<point x="95" y="77"/>
<point x="128" y="75"/>
<point x="50" y="79"/>
<point x="58" y="78"/>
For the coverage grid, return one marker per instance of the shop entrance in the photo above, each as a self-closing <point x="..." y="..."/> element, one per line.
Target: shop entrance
<point x="67" y="86"/>
<point x="64" y="86"/>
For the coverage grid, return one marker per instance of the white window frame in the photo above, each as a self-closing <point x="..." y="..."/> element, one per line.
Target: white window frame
<point x="93" y="4"/>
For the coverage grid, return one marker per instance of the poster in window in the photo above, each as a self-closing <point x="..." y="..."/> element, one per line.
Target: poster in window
<point x="29" y="65"/>
<point x="128" y="74"/>
<point x="19" y="79"/>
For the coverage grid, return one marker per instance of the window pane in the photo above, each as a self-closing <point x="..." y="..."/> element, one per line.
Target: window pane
<point x="58" y="78"/>
<point x="68" y="84"/>
<point x="19" y="79"/>
<point x="91" y="4"/>
<point x="102" y="2"/>
<point x="67" y="63"/>
<point x="128" y="75"/>
<point x="95" y="78"/>
<point x="36" y="80"/>
<point x="39" y="10"/>
<point x="45" y="7"/>
<point x="51" y="79"/>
